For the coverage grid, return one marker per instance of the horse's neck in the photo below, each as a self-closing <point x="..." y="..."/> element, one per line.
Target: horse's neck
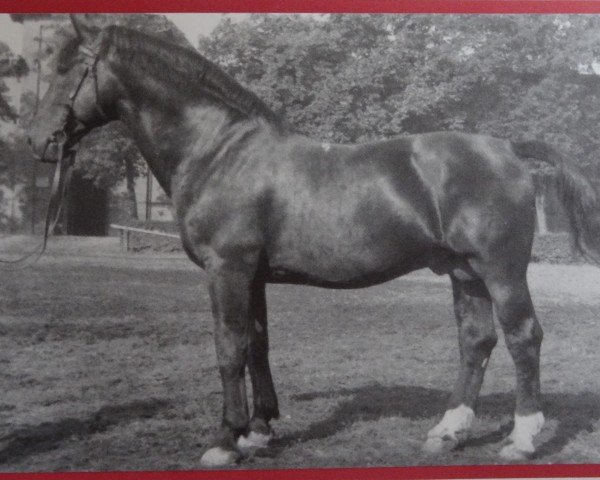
<point x="166" y="137"/>
<point x="171" y="124"/>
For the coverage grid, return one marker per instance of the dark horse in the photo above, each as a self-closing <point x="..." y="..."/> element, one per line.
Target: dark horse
<point x="257" y="204"/>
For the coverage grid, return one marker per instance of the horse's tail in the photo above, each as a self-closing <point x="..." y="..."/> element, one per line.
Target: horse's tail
<point x="579" y="197"/>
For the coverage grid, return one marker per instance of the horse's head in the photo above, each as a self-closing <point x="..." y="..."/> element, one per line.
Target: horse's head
<point x="72" y="105"/>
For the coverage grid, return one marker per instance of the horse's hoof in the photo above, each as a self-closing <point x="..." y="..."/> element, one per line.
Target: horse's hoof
<point x="437" y="445"/>
<point x="253" y="440"/>
<point x="219" y="457"/>
<point x="513" y="452"/>
<point x="452" y="430"/>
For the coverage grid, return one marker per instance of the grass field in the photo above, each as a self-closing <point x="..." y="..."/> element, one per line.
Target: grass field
<point x="107" y="362"/>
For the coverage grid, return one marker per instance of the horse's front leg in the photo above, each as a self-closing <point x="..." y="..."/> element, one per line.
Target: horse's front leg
<point x="230" y="292"/>
<point x="263" y="392"/>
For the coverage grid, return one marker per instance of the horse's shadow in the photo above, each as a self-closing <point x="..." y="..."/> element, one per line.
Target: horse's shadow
<point x="48" y="436"/>
<point x="572" y="412"/>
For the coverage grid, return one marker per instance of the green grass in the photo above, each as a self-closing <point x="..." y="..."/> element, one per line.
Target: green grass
<point x="108" y="363"/>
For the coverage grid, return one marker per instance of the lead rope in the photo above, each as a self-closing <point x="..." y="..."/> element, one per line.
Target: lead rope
<point x="58" y="192"/>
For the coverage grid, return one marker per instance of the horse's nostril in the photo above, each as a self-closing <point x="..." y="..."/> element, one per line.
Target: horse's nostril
<point x="29" y="142"/>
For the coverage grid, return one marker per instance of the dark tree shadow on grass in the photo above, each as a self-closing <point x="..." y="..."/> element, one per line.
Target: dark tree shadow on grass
<point x="47" y="436"/>
<point x="573" y="412"/>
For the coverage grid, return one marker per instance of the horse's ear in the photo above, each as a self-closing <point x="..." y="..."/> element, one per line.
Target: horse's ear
<point x="85" y="28"/>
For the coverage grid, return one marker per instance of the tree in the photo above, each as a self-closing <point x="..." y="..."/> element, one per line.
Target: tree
<point x="11" y="148"/>
<point x="10" y="66"/>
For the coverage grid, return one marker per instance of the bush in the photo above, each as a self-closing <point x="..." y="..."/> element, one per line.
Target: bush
<point x="555" y="248"/>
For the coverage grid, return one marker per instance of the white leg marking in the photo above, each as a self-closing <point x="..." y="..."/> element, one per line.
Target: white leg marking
<point x="521" y="438"/>
<point x="254" y="440"/>
<point x="218" y="457"/>
<point x="452" y="429"/>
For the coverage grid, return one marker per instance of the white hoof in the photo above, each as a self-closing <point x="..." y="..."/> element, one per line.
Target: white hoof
<point x="218" y="457"/>
<point x="253" y="440"/>
<point x="451" y="431"/>
<point x="520" y="446"/>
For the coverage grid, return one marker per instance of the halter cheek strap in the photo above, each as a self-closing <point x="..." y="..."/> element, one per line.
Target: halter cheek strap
<point x="74" y="93"/>
<point x="73" y="96"/>
<point x="97" y="89"/>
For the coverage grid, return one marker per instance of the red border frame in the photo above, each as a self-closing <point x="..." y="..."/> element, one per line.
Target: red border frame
<point x="317" y="6"/>
<point x="301" y="6"/>
<point x="374" y="473"/>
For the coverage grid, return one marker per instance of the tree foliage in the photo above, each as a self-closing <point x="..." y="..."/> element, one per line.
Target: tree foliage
<point x="363" y="77"/>
<point x="11" y="66"/>
<point x="12" y="148"/>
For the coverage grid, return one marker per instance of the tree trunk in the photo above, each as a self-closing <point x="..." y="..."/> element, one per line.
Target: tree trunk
<point x="131" y="198"/>
<point x="540" y="206"/>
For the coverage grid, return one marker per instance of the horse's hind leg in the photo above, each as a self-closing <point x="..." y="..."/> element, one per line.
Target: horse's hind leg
<point x="477" y="338"/>
<point x="263" y="392"/>
<point x="523" y="335"/>
<point x="229" y="288"/>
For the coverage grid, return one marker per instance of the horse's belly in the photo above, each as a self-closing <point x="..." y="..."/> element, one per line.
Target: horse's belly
<point x="343" y="280"/>
<point x="358" y="256"/>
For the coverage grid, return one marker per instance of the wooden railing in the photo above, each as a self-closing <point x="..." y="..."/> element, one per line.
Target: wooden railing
<point x="125" y="234"/>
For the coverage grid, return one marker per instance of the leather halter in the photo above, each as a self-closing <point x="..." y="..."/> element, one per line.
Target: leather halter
<point x="64" y="166"/>
<point x="90" y="68"/>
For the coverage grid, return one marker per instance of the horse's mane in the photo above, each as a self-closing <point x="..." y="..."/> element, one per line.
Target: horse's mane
<point x="182" y="68"/>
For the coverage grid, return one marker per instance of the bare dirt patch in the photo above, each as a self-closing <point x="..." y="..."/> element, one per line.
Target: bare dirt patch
<point x="107" y="362"/>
